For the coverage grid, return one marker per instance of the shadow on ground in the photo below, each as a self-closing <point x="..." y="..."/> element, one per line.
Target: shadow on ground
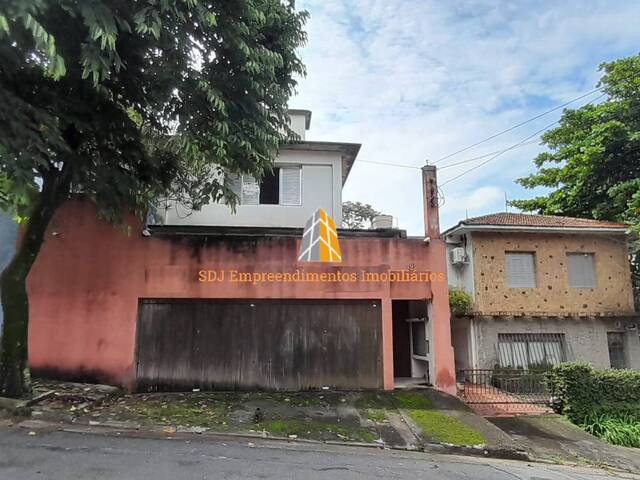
<point x="554" y="438"/>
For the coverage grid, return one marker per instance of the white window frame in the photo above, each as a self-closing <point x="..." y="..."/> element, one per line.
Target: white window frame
<point x="506" y="269"/>
<point x="287" y="166"/>
<point x="581" y="283"/>
<point x="280" y="166"/>
<point x="426" y="339"/>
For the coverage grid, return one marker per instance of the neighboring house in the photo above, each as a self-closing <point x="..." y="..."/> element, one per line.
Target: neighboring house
<point x="8" y="233"/>
<point x="216" y="300"/>
<point x="545" y="289"/>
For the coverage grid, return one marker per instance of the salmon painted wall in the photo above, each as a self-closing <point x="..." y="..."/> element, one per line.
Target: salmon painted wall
<point x="85" y="285"/>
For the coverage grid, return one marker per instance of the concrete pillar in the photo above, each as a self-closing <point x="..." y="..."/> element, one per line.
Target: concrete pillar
<point x="442" y="351"/>
<point x="387" y="344"/>
<point x="430" y="200"/>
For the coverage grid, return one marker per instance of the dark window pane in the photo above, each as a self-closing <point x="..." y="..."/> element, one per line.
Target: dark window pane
<point x="270" y="188"/>
<point x="616" y="349"/>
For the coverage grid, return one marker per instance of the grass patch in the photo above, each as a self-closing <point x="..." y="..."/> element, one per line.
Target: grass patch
<point x="374" y="400"/>
<point x="393" y="400"/>
<point x="445" y="429"/>
<point x="316" y="430"/>
<point x="411" y="401"/>
<point x="376" y="414"/>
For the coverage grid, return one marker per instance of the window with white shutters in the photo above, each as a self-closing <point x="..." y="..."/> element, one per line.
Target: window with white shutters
<point x="581" y="271"/>
<point x="283" y="186"/>
<point x="531" y="350"/>
<point x="520" y="269"/>
<point x="250" y="190"/>
<point x="290" y="185"/>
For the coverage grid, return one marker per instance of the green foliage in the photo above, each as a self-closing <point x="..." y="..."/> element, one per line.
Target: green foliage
<point x="593" y="166"/>
<point x="460" y="302"/>
<point x="358" y="215"/>
<point x="580" y="389"/>
<point x="617" y="429"/>
<point x="131" y="101"/>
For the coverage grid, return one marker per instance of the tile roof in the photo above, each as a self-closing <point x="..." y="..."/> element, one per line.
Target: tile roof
<point x="528" y="220"/>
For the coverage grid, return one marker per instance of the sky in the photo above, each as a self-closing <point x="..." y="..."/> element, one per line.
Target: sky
<point x="417" y="80"/>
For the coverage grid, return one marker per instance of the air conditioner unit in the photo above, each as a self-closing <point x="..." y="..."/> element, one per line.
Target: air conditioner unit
<point x="458" y="256"/>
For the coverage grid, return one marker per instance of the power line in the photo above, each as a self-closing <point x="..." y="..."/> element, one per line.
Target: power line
<point x="520" y="143"/>
<point x="491" y="137"/>
<point x="388" y="164"/>
<point x="472" y="159"/>
<point x="462" y="162"/>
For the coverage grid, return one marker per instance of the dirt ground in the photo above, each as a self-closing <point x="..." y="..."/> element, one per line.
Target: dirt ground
<point x="399" y="419"/>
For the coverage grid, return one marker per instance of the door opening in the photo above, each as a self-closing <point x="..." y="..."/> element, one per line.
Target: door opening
<point x="411" y="343"/>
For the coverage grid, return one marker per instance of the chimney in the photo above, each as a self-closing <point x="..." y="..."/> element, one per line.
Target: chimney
<point x="430" y="199"/>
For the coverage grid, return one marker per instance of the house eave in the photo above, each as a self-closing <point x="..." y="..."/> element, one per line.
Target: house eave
<point x="234" y="232"/>
<point x="461" y="228"/>
<point x="348" y="151"/>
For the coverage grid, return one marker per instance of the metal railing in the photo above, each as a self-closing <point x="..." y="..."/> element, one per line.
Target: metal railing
<point x="503" y="386"/>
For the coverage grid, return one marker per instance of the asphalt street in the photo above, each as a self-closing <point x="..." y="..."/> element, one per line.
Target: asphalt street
<point x="65" y="456"/>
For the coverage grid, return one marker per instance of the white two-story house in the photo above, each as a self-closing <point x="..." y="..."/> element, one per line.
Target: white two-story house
<point x="307" y="175"/>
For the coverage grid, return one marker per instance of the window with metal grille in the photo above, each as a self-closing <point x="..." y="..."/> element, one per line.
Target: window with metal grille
<point x="617" y="358"/>
<point x="520" y="269"/>
<point x="282" y="186"/>
<point x="531" y="350"/>
<point x="580" y="270"/>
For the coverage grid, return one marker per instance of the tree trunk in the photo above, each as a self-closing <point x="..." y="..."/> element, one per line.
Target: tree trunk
<point x="14" y="370"/>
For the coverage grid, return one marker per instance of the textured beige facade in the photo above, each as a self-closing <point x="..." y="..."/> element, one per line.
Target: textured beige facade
<point x="585" y="338"/>
<point x="552" y="295"/>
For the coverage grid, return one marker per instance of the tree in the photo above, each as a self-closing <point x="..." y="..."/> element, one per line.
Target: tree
<point x="358" y="215"/>
<point x="128" y="101"/>
<point x="593" y="166"/>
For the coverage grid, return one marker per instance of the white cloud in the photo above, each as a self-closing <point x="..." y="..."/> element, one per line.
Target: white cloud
<point x="416" y="80"/>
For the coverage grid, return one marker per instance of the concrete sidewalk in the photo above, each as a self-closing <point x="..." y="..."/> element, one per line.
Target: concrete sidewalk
<point x="408" y="419"/>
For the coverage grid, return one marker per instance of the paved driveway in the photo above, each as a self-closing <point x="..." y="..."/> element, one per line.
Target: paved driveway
<point x="553" y="437"/>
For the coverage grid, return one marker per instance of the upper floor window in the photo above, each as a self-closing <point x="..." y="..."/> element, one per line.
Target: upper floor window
<point x="580" y="267"/>
<point x="282" y="186"/>
<point x="520" y="269"/>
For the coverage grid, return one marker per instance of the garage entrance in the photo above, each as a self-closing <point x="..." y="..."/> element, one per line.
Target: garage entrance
<point x="258" y="344"/>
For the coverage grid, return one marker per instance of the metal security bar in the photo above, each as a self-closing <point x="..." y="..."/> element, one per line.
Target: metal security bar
<point x="503" y="386"/>
<point x="531" y="351"/>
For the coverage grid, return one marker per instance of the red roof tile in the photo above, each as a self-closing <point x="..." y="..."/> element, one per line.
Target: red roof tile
<point x="528" y="220"/>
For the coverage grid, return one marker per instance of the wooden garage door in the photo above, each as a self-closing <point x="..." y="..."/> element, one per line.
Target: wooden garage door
<point x="272" y="344"/>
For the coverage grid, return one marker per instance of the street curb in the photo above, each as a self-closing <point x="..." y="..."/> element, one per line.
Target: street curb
<point x="478" y="451"/>
<point x="158" y="432"/>
<point x="15" y="407"/>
